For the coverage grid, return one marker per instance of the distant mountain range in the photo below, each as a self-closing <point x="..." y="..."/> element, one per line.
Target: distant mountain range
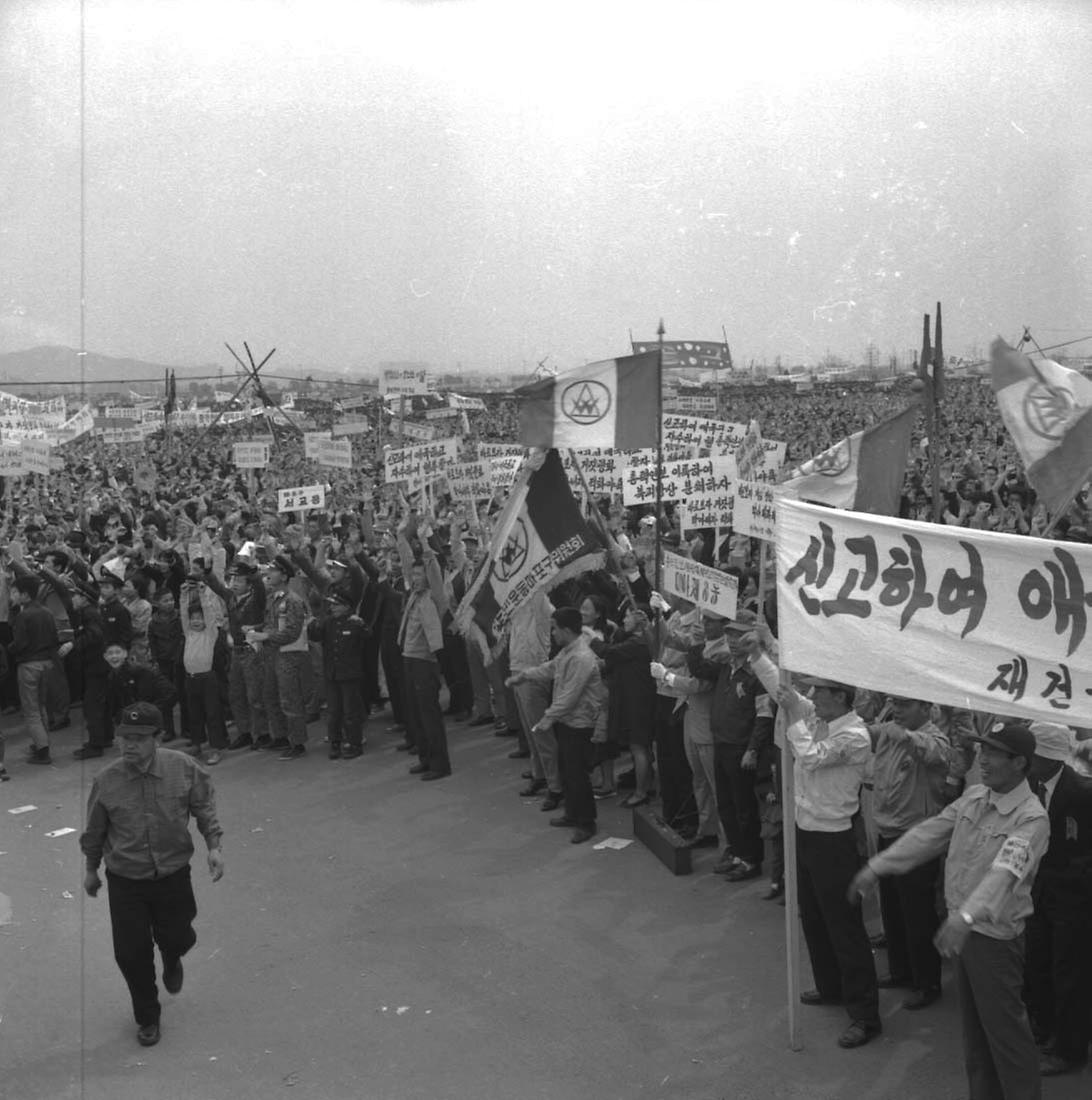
<point x="46" y="367"/>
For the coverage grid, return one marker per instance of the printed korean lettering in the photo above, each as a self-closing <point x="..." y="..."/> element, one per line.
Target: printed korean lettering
<point x="814" y="572"/>
<point x="1059" y="684"/>
<point x="1064" y="594"/>
<point x="1012" y="678"/>
<point x="904" y="581"/>
<point x="968" y="593"/>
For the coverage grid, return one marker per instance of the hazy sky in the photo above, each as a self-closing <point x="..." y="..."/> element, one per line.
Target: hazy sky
<point x="495" y="182"/>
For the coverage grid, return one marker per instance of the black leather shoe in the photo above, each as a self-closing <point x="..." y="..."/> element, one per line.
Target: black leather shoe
<point x="858" y="1033"/>
<point x="429" y="776"/>
<point x="895" y="981"/>
<point x="281" y="743"/>
<point x="403" y="746"/>
<point x="814" y="997"/>
<point x="240" y="742"/>
<point x="582" y="834"/>
<point x="334" y="752"/>
<point x="263" y="742"/>
<point x="40" y="756"/>
<point x="351" y="752"/>
<point x="775" y="891"/>
<point x="148" y="1035"/>
<point x="418" y="769"/>
<point x="481" y="720"/>
<point x="533" y="788"/>
<point x="172" y="977"/>
<point x="921" y="998"/>
<point x="519" y="754"/>
<point x="563" y="822"/>
<point x="88" y="752"/>
<point x="550" y="803"/>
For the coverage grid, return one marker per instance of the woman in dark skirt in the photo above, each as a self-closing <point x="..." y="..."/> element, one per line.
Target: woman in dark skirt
<point x="632" y="694"/>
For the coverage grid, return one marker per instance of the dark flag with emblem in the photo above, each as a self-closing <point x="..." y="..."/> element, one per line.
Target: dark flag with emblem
<point x="610" y="404"/>
<point x="862" y="473"/>
<point x="539" y="540"/>
<point x="1048" y="412"/>
<point x="694" y="354"/>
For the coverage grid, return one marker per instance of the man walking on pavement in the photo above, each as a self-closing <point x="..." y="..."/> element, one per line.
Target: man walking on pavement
<point x="138" y="822"/>
<point x="995" y="834"/>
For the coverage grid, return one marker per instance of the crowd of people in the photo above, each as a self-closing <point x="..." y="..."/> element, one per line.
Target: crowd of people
<point x="166" y="576"/>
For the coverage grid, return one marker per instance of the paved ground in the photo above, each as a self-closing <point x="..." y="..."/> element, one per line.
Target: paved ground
<point x="377" y="938"/>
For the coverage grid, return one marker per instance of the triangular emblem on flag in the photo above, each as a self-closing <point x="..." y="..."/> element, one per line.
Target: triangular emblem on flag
<point x="614" y="403"/>
<point x="1048" y="412"/>
<point x="539" y="540"/>
<point x="861" y="473"/>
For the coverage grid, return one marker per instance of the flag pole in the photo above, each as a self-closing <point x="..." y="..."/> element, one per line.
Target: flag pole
<point x="659" y="452"/>
<point x="930" y="417"/>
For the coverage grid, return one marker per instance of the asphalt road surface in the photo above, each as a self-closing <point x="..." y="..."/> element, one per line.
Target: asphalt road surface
<point x="379" y="938"/>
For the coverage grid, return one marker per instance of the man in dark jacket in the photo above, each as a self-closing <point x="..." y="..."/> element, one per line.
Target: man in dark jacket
<point x="342" y="636"/>
<point x="117" y="625"/>
<point x="741" y="719"/>
<point x="1058" y="969"/>
<point x="87" y="650"/>
<point x="130" y="683"/>
<point x="34" y="647"/>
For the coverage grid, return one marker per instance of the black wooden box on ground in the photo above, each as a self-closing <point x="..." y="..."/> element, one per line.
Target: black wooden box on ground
<point x="661" y="840"/>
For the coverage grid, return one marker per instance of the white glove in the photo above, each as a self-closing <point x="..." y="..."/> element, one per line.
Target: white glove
<point x="657" y="670"/>
<point x="657" y="602"/>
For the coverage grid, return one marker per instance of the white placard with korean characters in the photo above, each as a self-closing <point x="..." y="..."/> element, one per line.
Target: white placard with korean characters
<point x="988" y="622"/>
<point x="334" y="452"/>
<point x="417" y="467"/>
<point x="250" y="456"/>
<point x="301" y="499"/>
<point x="709" y="588"/>
<point x="755" y="512"/>
<point x="36" y="456"/>
<point x="680" y="480"/>
<point x="471" y="481"/>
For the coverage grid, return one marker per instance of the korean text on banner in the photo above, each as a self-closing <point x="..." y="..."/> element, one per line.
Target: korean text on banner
<point x="412" y="430"/>
<point x="691" y="477"/>
<point x="405" y="382"/>
<point x="334" y="452"/>
<point x="966" y="618"/>
<point x="351" y="426"/>
<point x="301" y="499"/>
<point x="500" y="450"/>
<point x="710" y="589"/>
<point x="420" y="466"/>
<point x="311" y="441"/>
<point x="503" y="471"/>
<point x="250" y="456"/>
<point x="755" y="510"/>
<point x="36" y="456"/>
<point x="470" y="481"/>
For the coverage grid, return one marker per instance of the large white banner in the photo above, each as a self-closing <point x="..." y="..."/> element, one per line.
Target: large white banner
<point x="994" y="623"/>
<point x="710" y="589"/>
<point x="405" y="383"/>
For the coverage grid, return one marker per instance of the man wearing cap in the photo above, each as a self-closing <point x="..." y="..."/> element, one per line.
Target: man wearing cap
<point x="245" y="602"/>
<point x="910" y="766"/>
<point x="285" y="661"/>
<point x="138" y="822"/>
<point x="831" y="748"/>
<point x="1058" y="975"/>
<point x="117" y="623"/>
<point x="995" y="835"/>
<point x="342" y="636"/>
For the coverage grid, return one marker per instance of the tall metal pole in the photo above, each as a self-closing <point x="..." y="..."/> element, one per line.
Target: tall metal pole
<point x="659" y="452"/>
<point x="82" y="355"/>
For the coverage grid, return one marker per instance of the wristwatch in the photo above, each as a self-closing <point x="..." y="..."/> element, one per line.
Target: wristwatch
<point x="968" y="920"/>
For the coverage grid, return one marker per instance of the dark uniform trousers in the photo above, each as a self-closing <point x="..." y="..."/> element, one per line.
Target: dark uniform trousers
<point x="737" y="803"/>
<point x="100" y="727"/>
<point x="394" y="671"/>
<point x="456" y="669"/>
<point x="344" y="712"/>
<point x="679" y="808"/>
<point x="205" y="710"/>
<point x="1000" y="1054"/>
<point x="143" y="912"/>
<point x="908" y="903"/>
<point x="424" y="717"/>
<point x="1058" y="978"/>
<point x="575" y="759"/>
<point x="841" y="956"/>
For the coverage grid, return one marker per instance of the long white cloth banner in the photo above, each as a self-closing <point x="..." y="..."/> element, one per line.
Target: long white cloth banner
<point x="994" y="623"/>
